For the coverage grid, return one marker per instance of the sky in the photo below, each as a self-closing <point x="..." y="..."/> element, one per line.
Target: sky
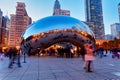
<point x="38" y="9"/>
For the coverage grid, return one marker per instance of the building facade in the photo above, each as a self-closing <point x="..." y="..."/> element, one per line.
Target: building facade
<point x="115" y="30"/>
<point x="94" y="15"/>
<point x="18" y="24"/>
<point x="4" y="29"/>
<point x="58" y="11"/>
<point x="1" y="15"/>
<point x="108" y="37"/>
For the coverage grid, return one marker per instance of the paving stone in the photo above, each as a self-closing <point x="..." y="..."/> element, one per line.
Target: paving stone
<point x="53" y="68"/>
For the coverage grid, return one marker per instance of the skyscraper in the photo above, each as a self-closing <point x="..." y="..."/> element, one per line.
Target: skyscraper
<point x="57" y="5"/>
<point x="119" y="11"/>
<point x="18" y="24"/>
<point x="1" y="13"/>
<point x="58" y="11"/>
<point x="115" y="30"/>
<point x="4" y="31"/>
<point x="94" y="15"/>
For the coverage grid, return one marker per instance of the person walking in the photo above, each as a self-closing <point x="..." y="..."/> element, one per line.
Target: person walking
<point x="89" y="57"/>
<point x="18" y="56"/>
<point x="9" y="54"/>
<point x="38" y="51"/>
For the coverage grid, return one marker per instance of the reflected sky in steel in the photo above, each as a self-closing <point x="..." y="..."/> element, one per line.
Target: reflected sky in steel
<point x="56" y="23"/>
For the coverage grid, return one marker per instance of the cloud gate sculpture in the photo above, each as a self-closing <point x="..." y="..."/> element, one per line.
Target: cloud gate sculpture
<point x="55" y="29"/>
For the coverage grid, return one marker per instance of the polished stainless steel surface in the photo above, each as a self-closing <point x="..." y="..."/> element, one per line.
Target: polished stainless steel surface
<point x="56" y="23"/>
<point x="55" y="29"/>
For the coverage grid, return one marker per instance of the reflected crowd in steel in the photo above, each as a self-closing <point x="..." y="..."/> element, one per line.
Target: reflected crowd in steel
<point x="55" y="29"/>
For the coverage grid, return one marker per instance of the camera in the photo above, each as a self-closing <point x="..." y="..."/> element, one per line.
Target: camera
<point x="91" y="47"/>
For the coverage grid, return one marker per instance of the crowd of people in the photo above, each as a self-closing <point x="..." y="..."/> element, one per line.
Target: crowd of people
<point x="14" y="56"/>
<point x="114" y="53"/>
<point x="87" y="52"/>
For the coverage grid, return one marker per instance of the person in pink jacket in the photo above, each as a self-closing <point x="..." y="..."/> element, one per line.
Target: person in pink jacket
<point x="89" y="57"/>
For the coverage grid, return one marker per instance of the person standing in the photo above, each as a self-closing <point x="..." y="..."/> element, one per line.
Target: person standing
<point x="10" y="54"/>
<point x="18" y="56"/>
<point x="71" y="52"/>
<point x="89" y="57"/>
<point x="38" y="51"/>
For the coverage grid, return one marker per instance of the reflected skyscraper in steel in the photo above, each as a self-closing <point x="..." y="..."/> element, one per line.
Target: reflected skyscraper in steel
<point x="94" y="15"/>
<point x="56" y="29"/>
<point x="58" y="11"/>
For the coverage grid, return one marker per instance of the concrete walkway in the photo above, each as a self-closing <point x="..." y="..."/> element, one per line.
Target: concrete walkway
<point x="52" y="68"/>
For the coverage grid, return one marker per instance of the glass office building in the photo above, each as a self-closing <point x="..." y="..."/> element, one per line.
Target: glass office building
<point x="94" y="15"/>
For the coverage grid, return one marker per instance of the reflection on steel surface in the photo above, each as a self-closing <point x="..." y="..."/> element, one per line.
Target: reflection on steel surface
<point x="53" y="29"/>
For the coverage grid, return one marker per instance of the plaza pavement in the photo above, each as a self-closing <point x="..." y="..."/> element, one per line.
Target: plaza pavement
<point x="52" y="68"/>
